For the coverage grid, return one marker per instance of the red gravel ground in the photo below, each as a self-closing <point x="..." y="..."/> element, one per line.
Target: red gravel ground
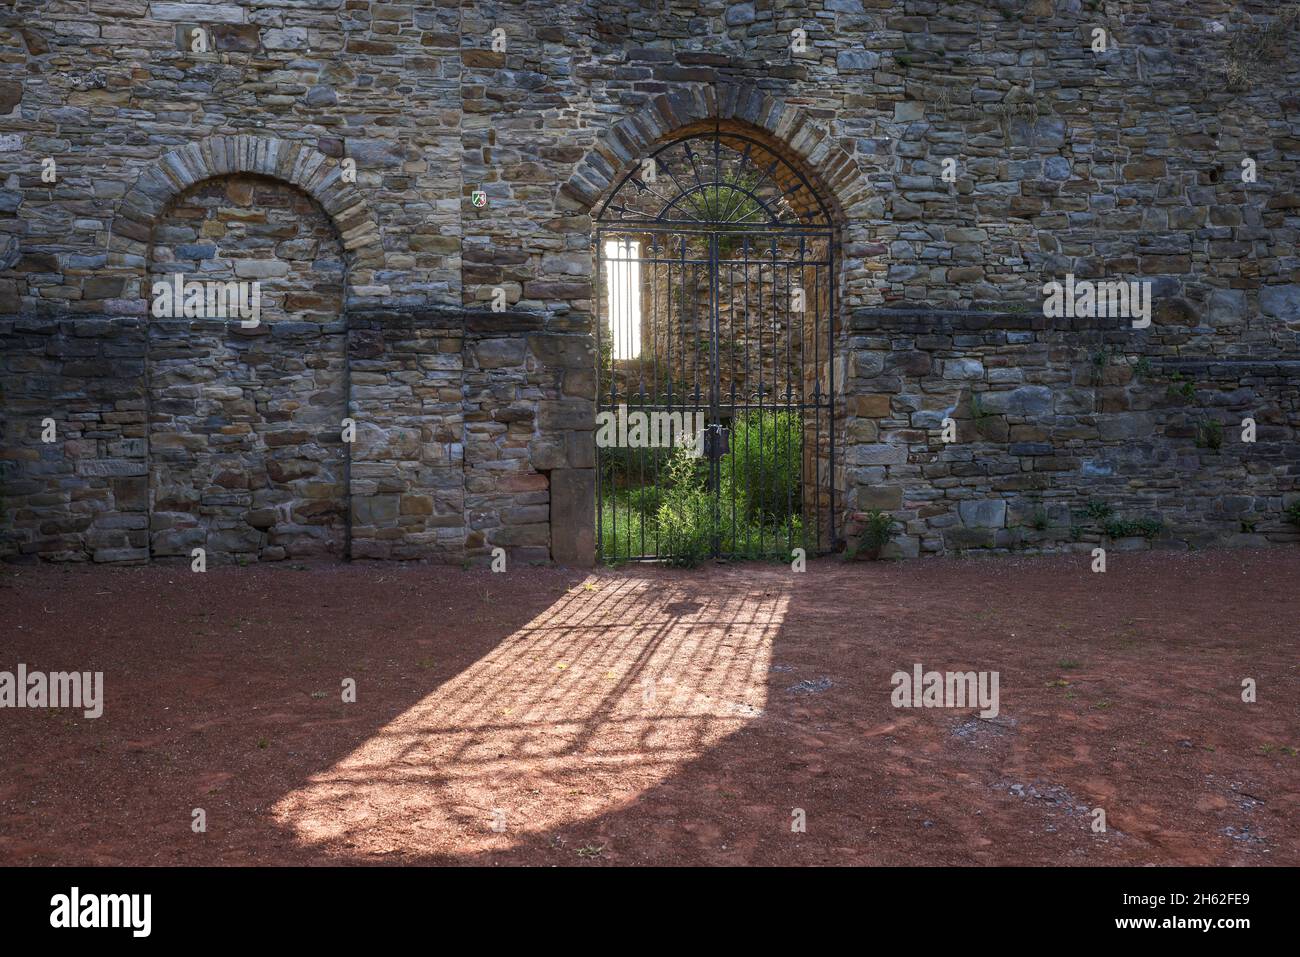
<point x="645" y="715"/>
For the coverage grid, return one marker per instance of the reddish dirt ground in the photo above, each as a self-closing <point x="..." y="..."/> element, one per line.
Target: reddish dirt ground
<point x="645" y="715"/>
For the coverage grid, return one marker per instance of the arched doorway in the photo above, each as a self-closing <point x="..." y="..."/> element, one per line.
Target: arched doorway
<point x="246" y="458"/>
<point x="716" y="335"/>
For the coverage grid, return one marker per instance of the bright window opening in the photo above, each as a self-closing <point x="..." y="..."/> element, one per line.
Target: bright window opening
<point x="622" y="262"/>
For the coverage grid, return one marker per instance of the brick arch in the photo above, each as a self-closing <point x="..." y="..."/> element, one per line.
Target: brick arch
<point x="787" y="131"/>
<point x="291" y="162"/>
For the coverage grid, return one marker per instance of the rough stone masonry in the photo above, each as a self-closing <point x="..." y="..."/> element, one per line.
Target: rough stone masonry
<point x="329" y="149"/>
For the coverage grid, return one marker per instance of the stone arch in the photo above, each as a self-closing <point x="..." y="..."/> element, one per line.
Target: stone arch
<point x="291" y="162"/>
<point x="294" y="164"/>
<point x="784" y="131"/>
<point x="789" y="132"/>
<point x="286" y="485"/>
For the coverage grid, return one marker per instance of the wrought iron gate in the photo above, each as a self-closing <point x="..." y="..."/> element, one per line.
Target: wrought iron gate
<point x="715" y="331"/>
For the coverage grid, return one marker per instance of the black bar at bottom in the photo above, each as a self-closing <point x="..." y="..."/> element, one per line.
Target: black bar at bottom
<point x="338" y="905"/>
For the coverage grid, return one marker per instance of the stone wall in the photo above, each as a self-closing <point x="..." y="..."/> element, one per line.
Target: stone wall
<point x="406" y="482"/>
<point x="85" y="493"/>
<point x="474" y="426"/>
<point x="1066" y="435"/>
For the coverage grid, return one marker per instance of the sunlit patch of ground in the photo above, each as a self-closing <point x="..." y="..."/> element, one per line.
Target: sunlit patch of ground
<point x="606" y="693"/>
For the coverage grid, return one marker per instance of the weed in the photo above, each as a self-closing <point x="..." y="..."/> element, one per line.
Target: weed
<point x="1209" y="434"/>
<point x="1130" y="528"/>
<point x="876" y="532"/>
<point x="1098" y="510"/>
<point x="1251" y="48"/>
<point x="755" y="511"/>
<point x="1180" y="387"/>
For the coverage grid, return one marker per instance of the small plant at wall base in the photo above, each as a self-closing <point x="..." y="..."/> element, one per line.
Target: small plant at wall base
<point x="1102" y="516"/>
<point x="877" y="529"/>
<point x="1133" y="528"/>
<point x="1292" y="513"/>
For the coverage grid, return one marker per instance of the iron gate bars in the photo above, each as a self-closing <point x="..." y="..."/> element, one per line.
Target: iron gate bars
<point x="715" y="332"/>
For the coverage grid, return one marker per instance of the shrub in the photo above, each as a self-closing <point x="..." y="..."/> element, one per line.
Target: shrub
<point x="1180" y="387"/>
<point x="764" y="463"/>
<point x="877" y="530"/>
<point x="758" y="504"/>
<point x="685" y="523"/>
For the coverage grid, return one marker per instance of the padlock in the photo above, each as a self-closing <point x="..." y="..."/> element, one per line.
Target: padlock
<point x="716" y="442"/>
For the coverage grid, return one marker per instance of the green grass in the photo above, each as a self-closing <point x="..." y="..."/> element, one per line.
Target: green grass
<point x="755" y="514"/>
<point x="678" y="527"/>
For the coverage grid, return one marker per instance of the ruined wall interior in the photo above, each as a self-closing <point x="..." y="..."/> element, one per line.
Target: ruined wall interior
<point x="126" y="154"/>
